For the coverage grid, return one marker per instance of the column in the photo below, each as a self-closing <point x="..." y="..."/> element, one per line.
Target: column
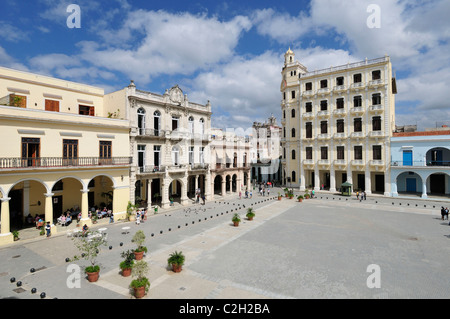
<point x="208" y="194"/>
<point x="224" y="188"/>
<point x="424" y="189"/>
<point x="165" y="203"/>
<point x="368" y="181"/>
<point x="85" y="209"/>
<point x="196" y="177"/>
<point x="316" y="178"/>
<point x="184" y="186"/>
<point x="302" y="178"/>
<point x="48" y="208"/>
<point x="6" y="237"/>
<point x="5" y="216"/>
<point x="332" y="179"/>
<point x="149" y="194"/>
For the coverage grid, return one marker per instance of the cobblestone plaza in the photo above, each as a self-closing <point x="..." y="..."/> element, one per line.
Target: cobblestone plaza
<point x="320" y="248"/>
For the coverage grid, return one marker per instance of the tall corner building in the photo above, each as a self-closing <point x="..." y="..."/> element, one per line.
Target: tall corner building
<point x="337" y="124"/>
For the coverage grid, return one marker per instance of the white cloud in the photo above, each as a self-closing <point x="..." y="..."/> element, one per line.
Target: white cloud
<point x="165" y="43"/>
<point x="282" y="27"/>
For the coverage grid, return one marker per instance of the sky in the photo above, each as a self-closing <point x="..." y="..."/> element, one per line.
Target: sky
<point x="232" y="52"/>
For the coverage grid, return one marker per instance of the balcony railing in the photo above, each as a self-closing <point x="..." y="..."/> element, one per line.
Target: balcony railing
<point x="199" y="166"/>
<point x="421" y="163"/>
<point x="150" y="132"/>
<point x="38" y="162"/>
<point x="148" y="169"/>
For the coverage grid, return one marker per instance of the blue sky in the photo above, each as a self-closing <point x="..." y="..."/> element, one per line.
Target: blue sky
<point x="231" y="53"/>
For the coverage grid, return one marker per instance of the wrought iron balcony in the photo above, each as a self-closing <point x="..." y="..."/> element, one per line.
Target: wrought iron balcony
<point x="54" y="162"/>
<point x="151" y="169"/>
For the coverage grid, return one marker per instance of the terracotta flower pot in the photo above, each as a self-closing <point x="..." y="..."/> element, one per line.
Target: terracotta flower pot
<point x="279" y="197"/>
<point x="176" y="268"/>
<point x="126" y="272"/>
<point x="139" y="292"/>
<point x="250" y="218"/>
<point x="138" y="255"/>
<point x="93" y="276"/>
<point x="236" y="224"/>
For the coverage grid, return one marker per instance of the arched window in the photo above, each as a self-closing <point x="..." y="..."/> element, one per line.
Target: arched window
<point x="293" y="154"/>
<point x="202" y="126"/>
<point x="191" y="124"/>
<point x="293" y="113"/>
<point x="141" y="121"/>
<point x="293" y="132"/>
<point x="156" y="122"/>
<point x="293" y="177"/>
<point x="175" y="156"/>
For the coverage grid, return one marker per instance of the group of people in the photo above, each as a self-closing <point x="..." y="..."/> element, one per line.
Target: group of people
<point x="198" y="195"/>
<point x="64" y="219"/>
<point x="141" y="215"/>
<point x="361" y="196"/>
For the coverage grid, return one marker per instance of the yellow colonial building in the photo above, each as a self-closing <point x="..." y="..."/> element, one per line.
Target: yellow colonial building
<point x="337" y="124"/>
<point x="60" y="151"/>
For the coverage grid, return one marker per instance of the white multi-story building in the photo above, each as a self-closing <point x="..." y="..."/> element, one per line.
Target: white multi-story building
<point x="169" y="141"/>
<point x="266" y="151"/>
<point x="337" y="124"/>
<point x="230" y="162"/>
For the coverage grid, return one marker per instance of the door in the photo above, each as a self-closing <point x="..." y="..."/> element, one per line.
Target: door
<point x="141" y="157"/>
<point x="156" y="156"/>
<point x="30" y="151"/>
<point x="379" y="183"/>
<point x="156" y="124"/>
<point x="411" y="185"/>
<point x="407" y="158"/>
<point x="361" y="182"/>
<point x="57" y="205"/>
<point x="70" y="152"/>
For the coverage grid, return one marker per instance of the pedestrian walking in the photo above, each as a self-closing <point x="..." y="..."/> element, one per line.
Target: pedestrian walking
<point x="48" y="228"/>
<point x="111" y="218"/>
<point x="268" y="192"/>
<point x="138" y="218"/>
<point x="204" y="199"/>
<point x="240" y="195"/>
<point x="365" y="196"/>
<point x="357" y="195"/>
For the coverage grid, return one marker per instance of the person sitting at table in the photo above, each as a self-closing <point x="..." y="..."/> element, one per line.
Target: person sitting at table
<point x="62" y="220"/>
<point x="68" y="220"/>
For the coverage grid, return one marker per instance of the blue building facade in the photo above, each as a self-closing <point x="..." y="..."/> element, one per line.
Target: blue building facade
<point x="420" y="164"/>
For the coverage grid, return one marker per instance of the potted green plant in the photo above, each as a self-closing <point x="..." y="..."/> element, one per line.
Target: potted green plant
<point x="286" y="192"/>
<point x="176" y="261"/>
<point x="279" y="196"/>
<point x="131" y="209"/>
<point x="94" y="218"/>
<point x="300" y="198"/>
<point x="140" y="284"/>
<point x="236" y="219"/>
<point x="127" y="264"/>
<point x="89" y="246"/>
<point x="15" y="234"/>
<point x="250" y="213"/>
<point x="139" y="239"/>
<point x="291" y="194"/>
<point x="307" y="195"/>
